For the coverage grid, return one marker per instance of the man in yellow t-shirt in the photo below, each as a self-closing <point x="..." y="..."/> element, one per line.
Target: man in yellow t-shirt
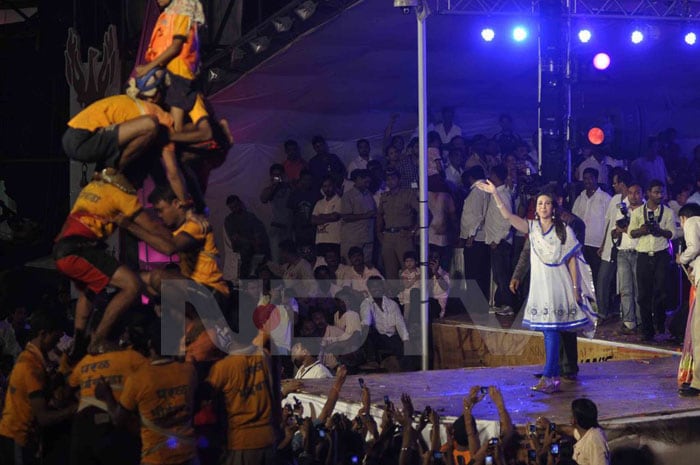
<point x="94" y="440"/>
<point x="25" y="402"/>
<point x="250" y="387"/>
<point x="113" y="131"/>
<point x="161" y="393"/>
<point x="80" y="253"/>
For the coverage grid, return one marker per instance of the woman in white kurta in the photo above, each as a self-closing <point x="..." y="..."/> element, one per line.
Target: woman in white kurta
<point x="561" y="286"/>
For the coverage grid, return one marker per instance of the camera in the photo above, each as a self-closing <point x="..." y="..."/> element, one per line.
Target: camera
<point x="624" y="222"/>
<point x="533" y="430"/>
<point x="532" y="455"/>
<point x="651" y="223"/>
<point x="362" y="383"/>
<point x="493" y="441"/>
<point x="484" y="389"/>
<point x="554" y="449"/>
<point x="552" y="427"/>
<point x="488" y="460"/>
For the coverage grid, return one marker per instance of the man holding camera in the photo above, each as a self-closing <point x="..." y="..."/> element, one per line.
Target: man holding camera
<point x="655" y="226"/>
<point x="627" y="259"/>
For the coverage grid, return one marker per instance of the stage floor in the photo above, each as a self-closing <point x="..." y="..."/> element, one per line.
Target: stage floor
<point x="625" y="392"/>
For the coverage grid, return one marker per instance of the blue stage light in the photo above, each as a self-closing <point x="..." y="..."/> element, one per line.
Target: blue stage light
<point x="488" y="34"/>
<point x="519" y="34"/>
<point x="584" y="36"/>
<point x="690" y="38"/>
<point x="637" y="36"/>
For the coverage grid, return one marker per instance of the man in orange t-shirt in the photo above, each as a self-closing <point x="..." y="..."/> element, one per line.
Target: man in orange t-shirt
<point x="251" y="389"/>
<point x="25" y="402"/>
<point x="161" y="393"/>
<point x="94" y="440"/>
<point x="194" y="243"/>
<point x="80" y="253"/>
<point x="113" y="131"/>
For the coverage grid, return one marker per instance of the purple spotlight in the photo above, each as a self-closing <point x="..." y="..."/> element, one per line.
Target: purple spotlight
<point x="601" y="61"/>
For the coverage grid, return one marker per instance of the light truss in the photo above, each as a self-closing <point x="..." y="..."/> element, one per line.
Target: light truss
<point x="661" y="10"/>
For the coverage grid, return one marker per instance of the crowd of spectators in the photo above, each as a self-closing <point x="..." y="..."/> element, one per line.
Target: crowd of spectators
<point x="331" y="284"/>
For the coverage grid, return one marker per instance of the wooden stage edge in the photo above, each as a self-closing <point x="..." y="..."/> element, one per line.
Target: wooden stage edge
<point x="486" y="343"/>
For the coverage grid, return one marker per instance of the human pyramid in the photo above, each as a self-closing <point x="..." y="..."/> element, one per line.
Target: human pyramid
<point x="158" y="127"/>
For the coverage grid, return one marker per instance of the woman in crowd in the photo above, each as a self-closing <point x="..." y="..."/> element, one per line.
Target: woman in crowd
<point x="561" y="285"/>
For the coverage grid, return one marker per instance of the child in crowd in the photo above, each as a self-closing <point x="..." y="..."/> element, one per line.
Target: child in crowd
<point x="410" y="278"/>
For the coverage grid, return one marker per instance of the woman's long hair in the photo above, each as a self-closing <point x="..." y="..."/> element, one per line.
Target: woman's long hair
<point x="559" y="225"/>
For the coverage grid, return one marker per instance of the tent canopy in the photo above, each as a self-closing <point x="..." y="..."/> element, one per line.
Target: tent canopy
<point x="345" y="78"/>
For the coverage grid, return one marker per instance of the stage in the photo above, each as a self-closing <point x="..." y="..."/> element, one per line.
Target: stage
<point x="636" y="399"/>
<point x="487" y="340"/>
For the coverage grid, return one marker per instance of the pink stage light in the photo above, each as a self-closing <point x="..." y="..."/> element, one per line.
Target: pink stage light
<point x="601" y="61"/>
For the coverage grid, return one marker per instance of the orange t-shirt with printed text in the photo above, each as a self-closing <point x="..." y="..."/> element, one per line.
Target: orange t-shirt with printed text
<point x="199" y="264"/>
<point x="95" y="210"/>
<point x="115" y="367"/>
<point x="28" y="379"/>
<point x="162" y="392"/>
<point x="243" y="378"/>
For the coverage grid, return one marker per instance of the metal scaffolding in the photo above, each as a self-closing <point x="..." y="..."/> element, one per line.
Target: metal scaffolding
<point x="658" y="10"/>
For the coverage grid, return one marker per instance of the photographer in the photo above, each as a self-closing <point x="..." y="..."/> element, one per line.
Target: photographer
<point x="277" y="195"/>
<point x="654" y="226"/>
<point x="627" y="259"/>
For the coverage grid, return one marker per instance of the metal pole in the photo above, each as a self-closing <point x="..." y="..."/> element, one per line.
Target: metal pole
<point x="539" y="100"/>
<point x="568" y="84"/>
<point x="421" y="13"/>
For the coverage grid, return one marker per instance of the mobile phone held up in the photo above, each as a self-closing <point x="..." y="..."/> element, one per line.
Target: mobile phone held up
<point x="362" y="382"/>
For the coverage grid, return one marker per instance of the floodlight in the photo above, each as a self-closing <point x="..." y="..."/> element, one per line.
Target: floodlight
<point x="282" y="24"/>
<point x="637" y="36"/>
<point x="584" y="36"/>
<point x="259" y="44"/>
<point x="305" y="10"/>
<point x="601" y="61"/>
<point x="519" y="34"/>
<point x="488" y="34"/>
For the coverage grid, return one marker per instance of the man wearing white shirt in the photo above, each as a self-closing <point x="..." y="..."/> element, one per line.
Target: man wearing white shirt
<point x="345" y="336"/>
<point x="476" y="253"/>
<point x="655" y="225"/>
<point x="308" y="366"/>
<point x="453" y="172"/>
<point x="356" y="275"/>
<point x="608" y="251"/>
<point x="601" y="163"/>
<point x="591" y="206"/>
<point x="447" y="129"/>
<point x="498" y="236"/>
<point x="627" y="260"/>
<point x="387" y="328"/>
<point x="326" y="218"/>
<point x="360" y="163"/>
